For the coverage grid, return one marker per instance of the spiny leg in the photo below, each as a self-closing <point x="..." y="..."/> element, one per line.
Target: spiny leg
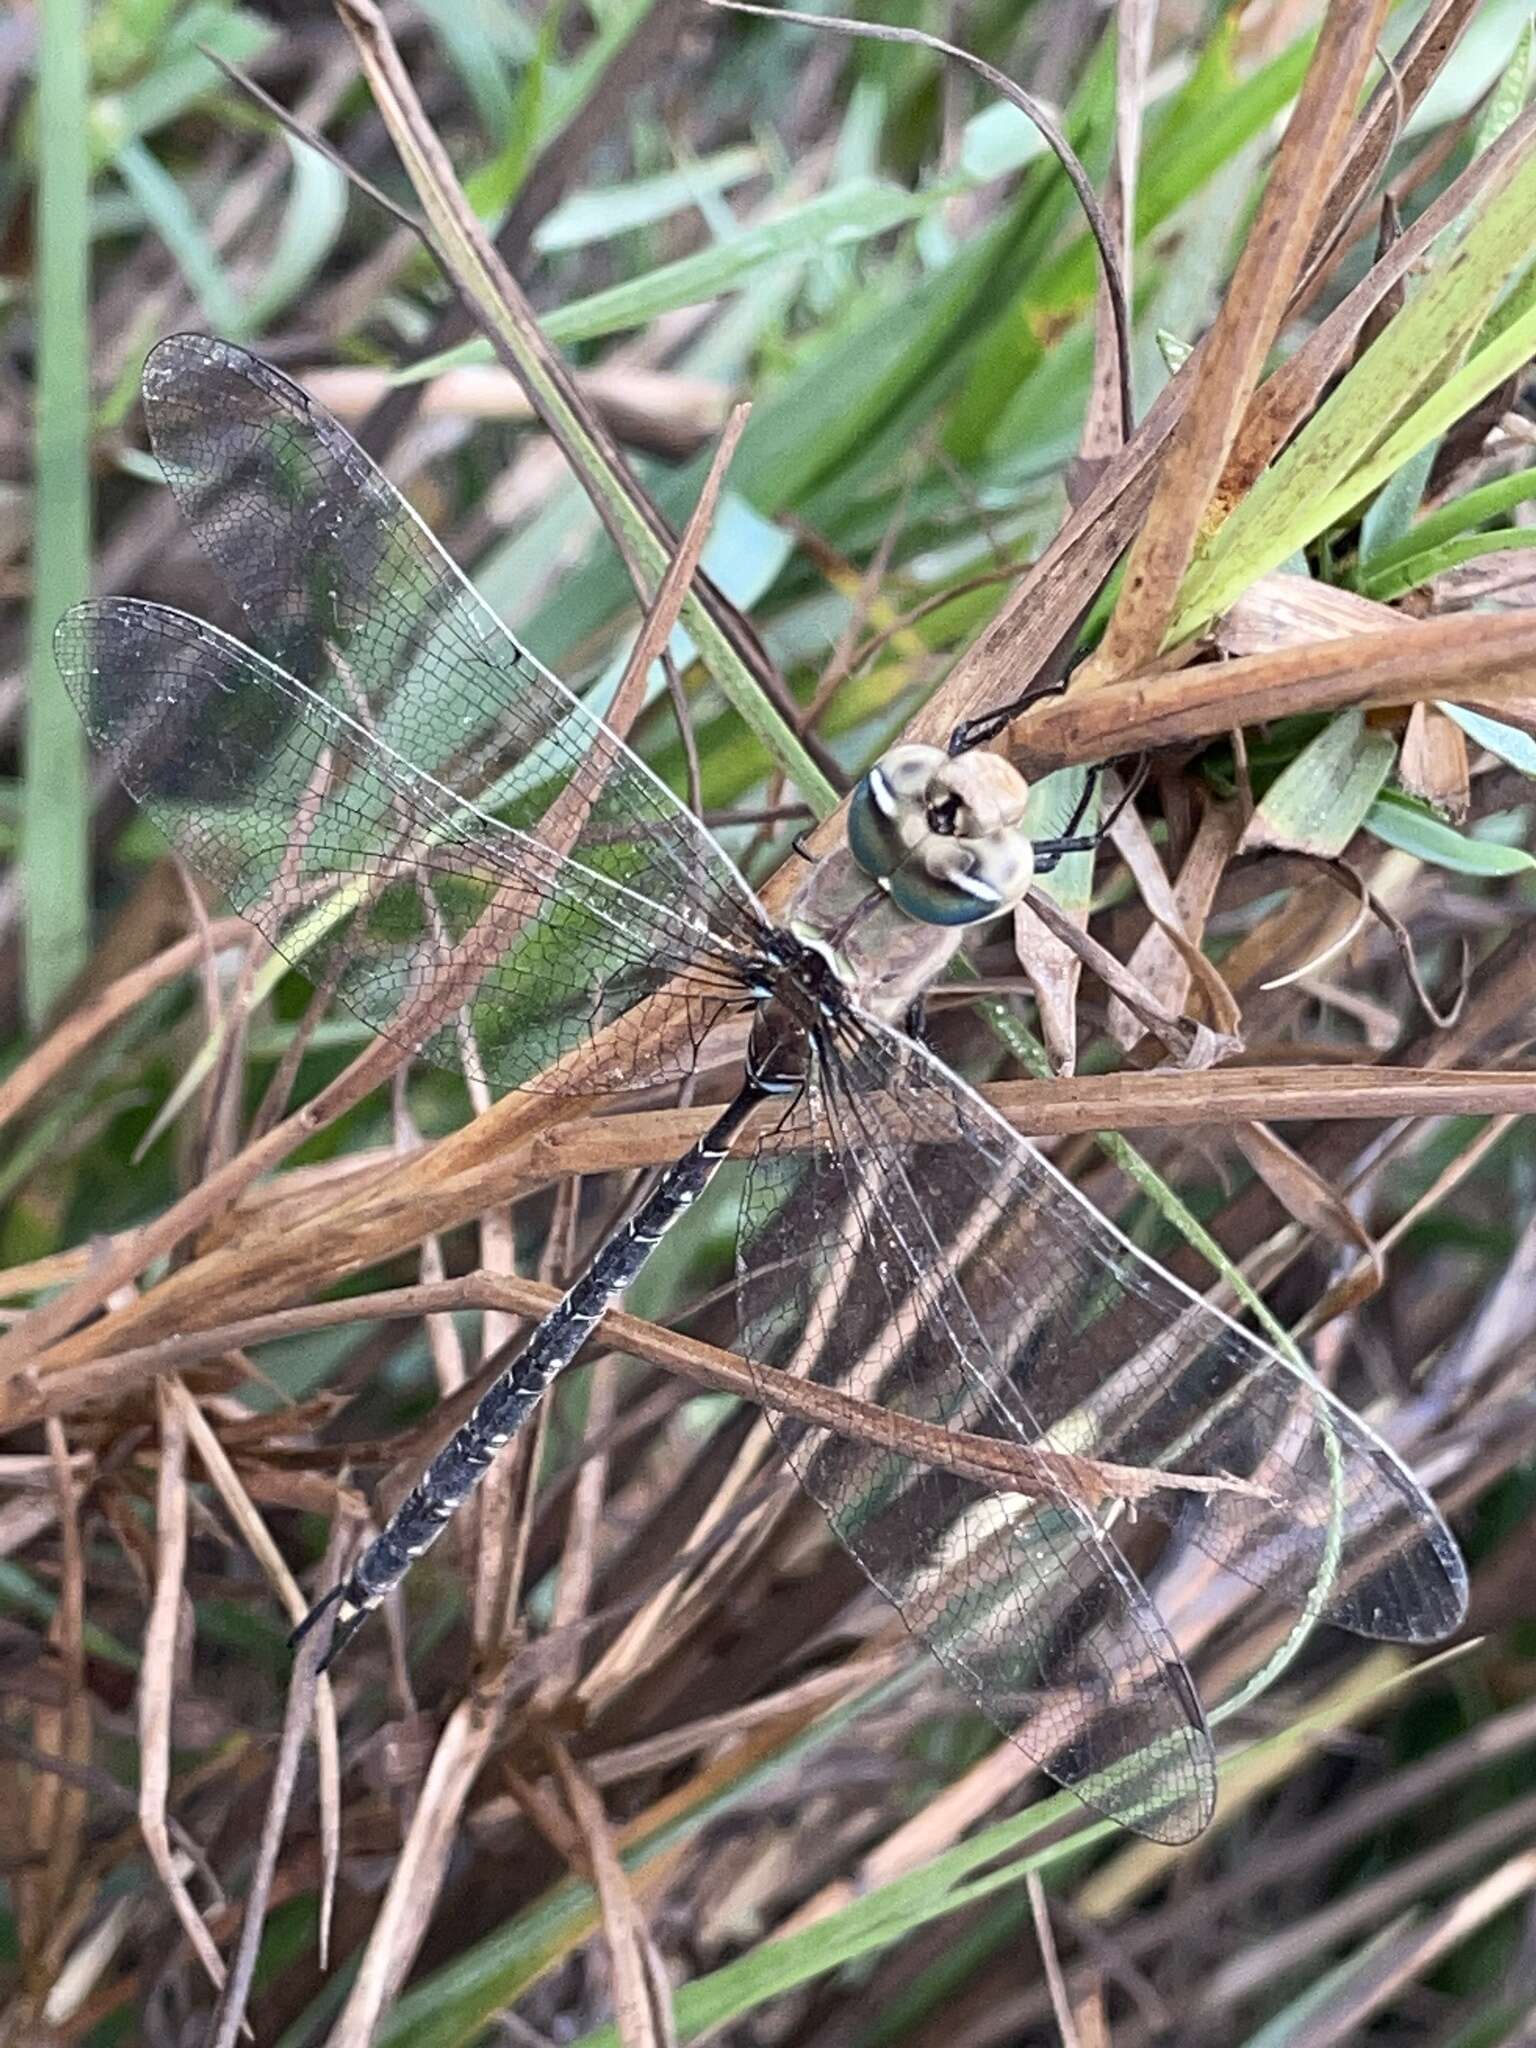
<point x="1049" y="853"/>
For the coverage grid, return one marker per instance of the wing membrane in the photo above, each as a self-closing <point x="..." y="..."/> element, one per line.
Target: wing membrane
<point x="341" y="586"/>
<point x="438" y="925"/>
<point x="913" y="1250"/>
<point x="844" y="1278"/>
<point x="1100" y="1351"/>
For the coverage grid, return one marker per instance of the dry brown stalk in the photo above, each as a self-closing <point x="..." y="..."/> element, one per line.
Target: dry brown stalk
<point x="642" y="1996"/>
<point x="412" y="1895"/>
<point x="283" y="1265"/>
<point x="994" y="1461"/>
<point x="1469" y="658"/>
<point x="1230" y="364"/>
<point x="82" y="1027"/>
<point x="158" y="1680"/>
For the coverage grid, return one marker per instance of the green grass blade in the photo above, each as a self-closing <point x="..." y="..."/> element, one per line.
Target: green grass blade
<point x="1386" y="584"/>
<point x="56" y="813"/>
<point x="1412" y="829"/>
<point x="167" y="211"/>
<point x="1395" y="400"/>
<point x="1461" y="515"/>
<point x="312" y="223"/>
<point x="1507" y="741"/>
<point x="492" y="296"/>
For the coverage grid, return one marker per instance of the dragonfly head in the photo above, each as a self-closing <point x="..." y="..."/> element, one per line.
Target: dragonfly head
<point x="944" y="837"/>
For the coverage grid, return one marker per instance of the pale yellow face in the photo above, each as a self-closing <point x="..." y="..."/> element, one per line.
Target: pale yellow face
<point x="944" y="837"/>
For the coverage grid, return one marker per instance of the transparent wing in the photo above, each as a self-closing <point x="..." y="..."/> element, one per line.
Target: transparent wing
<point x="444" y="929"/>
<point x="921" y="1255"/>
<point x="342" y="586"/>
<point x="1095" y="1349"/>
<point x="851" y="1273"/>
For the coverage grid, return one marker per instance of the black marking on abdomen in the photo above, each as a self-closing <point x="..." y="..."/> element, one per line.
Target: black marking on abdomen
<point x="523" y="1382"/>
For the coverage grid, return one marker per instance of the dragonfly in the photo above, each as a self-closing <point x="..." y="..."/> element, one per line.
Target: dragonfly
<point x="426" y="822"/>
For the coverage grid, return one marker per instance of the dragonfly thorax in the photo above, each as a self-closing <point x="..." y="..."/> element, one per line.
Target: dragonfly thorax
<point x="943" y="836"/>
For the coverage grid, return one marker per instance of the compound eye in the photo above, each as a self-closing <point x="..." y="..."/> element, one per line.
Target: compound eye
<point x="964" y="881"/>
<point x="887" y="813"/>
<point x="937" y="899"/>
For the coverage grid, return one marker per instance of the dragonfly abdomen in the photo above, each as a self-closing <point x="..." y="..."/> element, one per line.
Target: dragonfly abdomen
<point x="518" y="1389"/>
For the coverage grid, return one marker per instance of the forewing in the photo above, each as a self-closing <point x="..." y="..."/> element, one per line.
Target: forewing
<point x="851" y="1273"/>
<point x="438" y="925"/>
<point x="342" y="586"/>
<point x="1095" y="1349"/>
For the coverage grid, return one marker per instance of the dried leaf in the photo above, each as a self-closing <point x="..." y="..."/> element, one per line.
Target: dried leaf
<point x="1278" y="610"/>
<point x="1052" y="968"/>
<point x="1301" y="1191"/>
<point x="1161" y="961"/>
<point x="1105" y="427"/>
<point x="415" y="1882"/>
<point x="642" y="1997"/>
<point x="1433" y="763"/>
<point x="1228" y="368"/>
<point x="158" y="1680"/>
<point x="1189" y="1043"/>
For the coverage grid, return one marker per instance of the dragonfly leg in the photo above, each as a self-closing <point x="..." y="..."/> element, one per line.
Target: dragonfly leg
<point x="1085" y="798"/>
<point x="1049" y="853"/>
<point x="1049" y="680"/>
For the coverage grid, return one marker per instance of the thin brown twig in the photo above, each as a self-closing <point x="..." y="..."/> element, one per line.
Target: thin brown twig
<point x="661" y="615"/>
<point x="75" y="1033"/>
<point x="157" y="1682"/>
<point x="229" y="2015"/>
<point x="1025" y="1468"/>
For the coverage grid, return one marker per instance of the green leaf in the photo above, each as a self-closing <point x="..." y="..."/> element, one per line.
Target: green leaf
<point x="1202" y="129"/>
<point x="585" y="218"/>
<point x="19" y="1589"/>
<point x="1398" y="822"/>
<point x="1318" y="803"/>
<point x="1213" y="118"/>
<point x="1389" y="516"/>
<point x="852" y="213"/>
<point x="999" y="140"/>
<point x="483" y="44"/>
<point x="1508" y="742"/>
<point x="56" y="816"/>
<point x="312" y="221"/>
<point x="1473" y="508"/>
<point x="492" y="188"/>
<point x="167" y="211"/>
<point x="1509" y="95"/>
<point x="462" y="246"/>
<point x="1301" y="2018"/>
<point x="1052" y="802"/>
<point x="1394" y="401"/>
<point x="1174" y="351"/>
<point x="1399" y="576"/>
<point x="182" y="73"/>
<point x="451" y="2006"/>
